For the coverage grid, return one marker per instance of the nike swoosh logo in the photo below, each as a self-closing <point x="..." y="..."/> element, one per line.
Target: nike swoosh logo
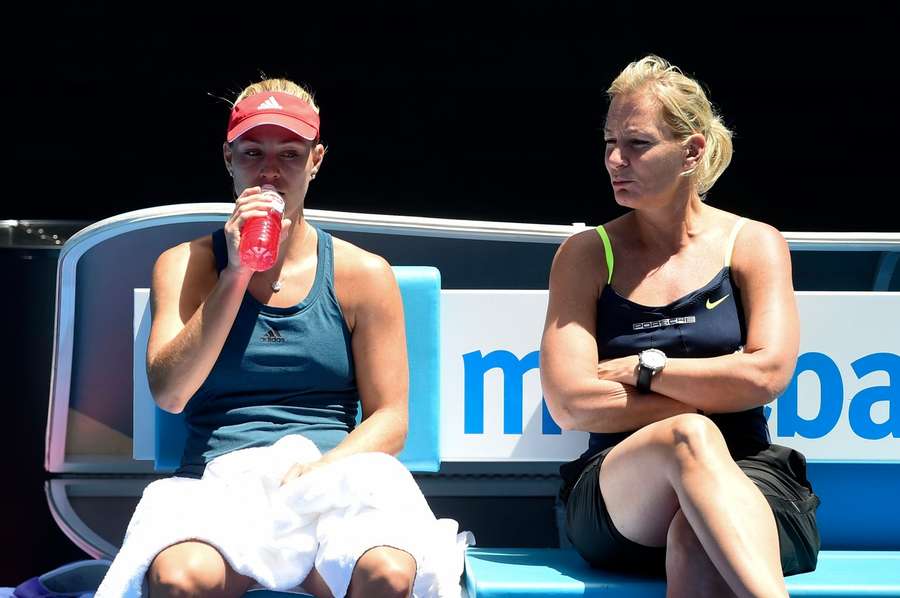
<point x="716" y="302"/>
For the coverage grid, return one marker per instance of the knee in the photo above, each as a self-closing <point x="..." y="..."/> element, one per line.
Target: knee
<point x="189" y="575"/>
<point x="695" y="438"/>
<point x="383" y="573"/>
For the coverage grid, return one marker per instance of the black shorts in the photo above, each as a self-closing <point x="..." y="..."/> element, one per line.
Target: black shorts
<point x="779" y="472"/>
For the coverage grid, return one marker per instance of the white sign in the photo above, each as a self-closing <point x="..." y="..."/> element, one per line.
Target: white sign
<point x="842" y="405"/>
<point x="490" y="384"/>
<point x="844" y="401"/>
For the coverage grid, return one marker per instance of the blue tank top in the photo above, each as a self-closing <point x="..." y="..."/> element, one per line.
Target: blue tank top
<point x="706" y="322"/>
<point x="282" y="370"/>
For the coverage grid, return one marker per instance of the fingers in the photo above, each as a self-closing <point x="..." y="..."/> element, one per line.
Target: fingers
<point x="255" y="201"/>
<point x="299" y="469"/>
<point x="248" y="210"/>
<point x="250" y="204"/>
<point x="294" y="472"/>
<point x="266" y="192"/>
<point x="250" y="191"/>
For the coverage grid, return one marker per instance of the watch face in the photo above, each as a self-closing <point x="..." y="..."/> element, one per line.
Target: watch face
<point x="653" y="359"/>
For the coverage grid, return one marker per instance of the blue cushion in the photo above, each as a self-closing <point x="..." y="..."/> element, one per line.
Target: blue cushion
<point x="534" y="572"/>
<point x="858" y="509"/>
<point x="171" y="434"/>
<point x="262" y="593"/>
<point x="420" y="287"/>
<point x="850" y="573"/>
<point x="494" y="572"/>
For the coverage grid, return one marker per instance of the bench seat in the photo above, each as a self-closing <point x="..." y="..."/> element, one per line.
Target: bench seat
<point x="555" y="572"/>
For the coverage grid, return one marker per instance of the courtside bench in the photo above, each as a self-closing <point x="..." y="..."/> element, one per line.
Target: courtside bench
<point x="860" y="530"/>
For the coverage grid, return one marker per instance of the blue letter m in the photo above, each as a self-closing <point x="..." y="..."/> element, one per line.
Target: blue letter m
<point x="513" y="368"/>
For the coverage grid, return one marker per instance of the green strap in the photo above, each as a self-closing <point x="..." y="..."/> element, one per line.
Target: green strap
<point x="607" y="249"/>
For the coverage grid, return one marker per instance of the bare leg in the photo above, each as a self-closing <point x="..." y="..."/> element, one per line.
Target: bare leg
<point x="689" y="572"/>
<point x="315" y="585"/>
<point x="384" y="572"/>
<point x="194" y="569"/>
<point x="683" y="463"/>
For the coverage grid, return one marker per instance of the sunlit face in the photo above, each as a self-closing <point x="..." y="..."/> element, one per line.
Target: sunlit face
<point x="643" y="158"/>
<point x="272" y="155"/>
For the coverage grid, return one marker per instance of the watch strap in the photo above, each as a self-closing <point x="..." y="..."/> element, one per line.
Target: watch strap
<point x="643" y="378"/>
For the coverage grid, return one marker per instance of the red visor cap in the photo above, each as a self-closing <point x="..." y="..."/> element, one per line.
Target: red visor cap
<point x="274" y="108"/>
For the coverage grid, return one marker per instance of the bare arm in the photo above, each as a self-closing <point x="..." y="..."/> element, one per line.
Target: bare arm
<point x="577" y="399"/>
<point x="739" y="381"/>
<point x="193" y="310"/>
<point x="371" y="300"/>
<point x="379" y="357"/>
<point x="188" y="331"/>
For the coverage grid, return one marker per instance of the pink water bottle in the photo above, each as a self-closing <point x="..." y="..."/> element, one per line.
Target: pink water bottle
<point x="259" y="236"/>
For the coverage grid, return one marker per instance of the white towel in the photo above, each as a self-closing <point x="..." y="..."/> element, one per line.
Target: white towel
<point x="275" y="534"/>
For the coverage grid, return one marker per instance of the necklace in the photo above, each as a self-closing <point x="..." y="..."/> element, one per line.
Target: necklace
<point x="277" y="285"/>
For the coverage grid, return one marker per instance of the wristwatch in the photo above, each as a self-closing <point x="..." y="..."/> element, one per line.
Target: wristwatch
<point x="650" y="362"/>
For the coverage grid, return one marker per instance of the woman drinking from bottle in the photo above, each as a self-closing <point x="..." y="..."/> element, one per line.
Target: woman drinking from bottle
<point x="269" y="366"/>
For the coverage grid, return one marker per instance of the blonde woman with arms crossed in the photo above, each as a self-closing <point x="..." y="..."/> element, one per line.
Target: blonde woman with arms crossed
<point x="667" y="331"/>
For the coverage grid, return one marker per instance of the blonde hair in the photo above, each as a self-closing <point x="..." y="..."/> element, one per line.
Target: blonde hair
<point x="685" y="109"/>
<point x="282" y="85"/>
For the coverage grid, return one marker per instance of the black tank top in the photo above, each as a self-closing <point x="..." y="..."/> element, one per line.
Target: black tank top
<point x="704" y="323"/>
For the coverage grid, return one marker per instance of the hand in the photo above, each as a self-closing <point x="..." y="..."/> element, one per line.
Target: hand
<point x="251" y="203"/>
<point x="619" y="369"/>
<point x="299" y="469"/>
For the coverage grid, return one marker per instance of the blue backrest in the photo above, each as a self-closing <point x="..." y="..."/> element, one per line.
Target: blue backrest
<point x="420" y="288"/>
<point x="859" y="504"/>
<point x="92" y="428"/>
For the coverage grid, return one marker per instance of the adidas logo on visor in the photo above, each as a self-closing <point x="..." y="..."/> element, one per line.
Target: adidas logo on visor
<point x="270" y="104"/>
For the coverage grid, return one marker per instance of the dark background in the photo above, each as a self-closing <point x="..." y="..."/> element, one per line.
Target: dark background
<point x="487" y="112"/>
<point x="452" y="109"/>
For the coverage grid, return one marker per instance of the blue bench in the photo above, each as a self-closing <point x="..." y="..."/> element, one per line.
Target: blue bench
<point x="90" y="430"/>
<point x="539" y="572"/>
<point x="859" y="525"/>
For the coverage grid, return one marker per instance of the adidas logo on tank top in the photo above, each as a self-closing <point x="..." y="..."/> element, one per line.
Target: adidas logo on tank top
<point x="272" y="336"/>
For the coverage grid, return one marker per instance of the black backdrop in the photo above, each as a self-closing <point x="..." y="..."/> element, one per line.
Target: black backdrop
<point x="489" y="112"/>
<point x="449" y="109"/>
